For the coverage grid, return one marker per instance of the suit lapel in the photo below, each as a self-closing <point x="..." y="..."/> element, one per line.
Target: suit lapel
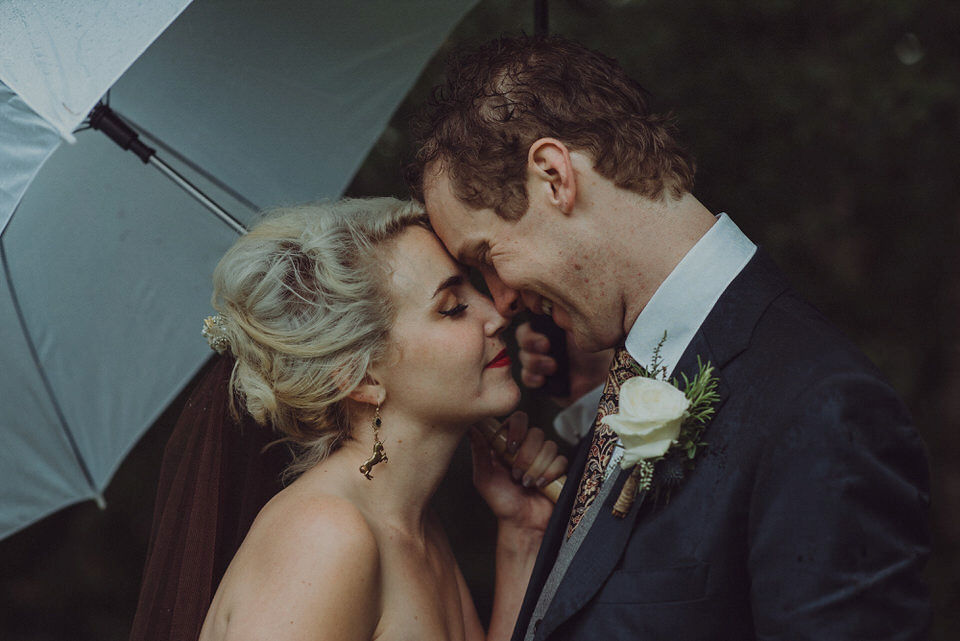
<point x="553" y="537"/>
<point x="593" y="562"/>
<point x="727" y="329"/>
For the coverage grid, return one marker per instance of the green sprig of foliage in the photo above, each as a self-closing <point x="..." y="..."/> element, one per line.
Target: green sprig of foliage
<point x="703" y="396"/>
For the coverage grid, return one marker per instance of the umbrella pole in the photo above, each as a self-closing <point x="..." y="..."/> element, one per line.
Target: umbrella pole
<point x="201" y="197"/>
<point x="105" y="119"/>
<point x="541" y="18"/>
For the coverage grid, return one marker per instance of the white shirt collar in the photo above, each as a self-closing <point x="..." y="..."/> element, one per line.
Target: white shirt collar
<point x="686" y="296"/>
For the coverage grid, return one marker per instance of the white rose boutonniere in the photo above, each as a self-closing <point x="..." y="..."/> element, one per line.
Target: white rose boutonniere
<point x="649" y="419"/>
<point x="659" y="421"/>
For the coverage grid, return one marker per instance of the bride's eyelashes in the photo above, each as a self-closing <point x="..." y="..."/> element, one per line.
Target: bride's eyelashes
<point x="455" y="310"/>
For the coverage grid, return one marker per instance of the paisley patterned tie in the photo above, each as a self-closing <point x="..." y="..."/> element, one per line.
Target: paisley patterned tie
<point x="604" y="438"/>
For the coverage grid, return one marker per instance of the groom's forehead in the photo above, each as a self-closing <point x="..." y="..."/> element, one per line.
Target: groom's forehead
<point x="452" y="220"/>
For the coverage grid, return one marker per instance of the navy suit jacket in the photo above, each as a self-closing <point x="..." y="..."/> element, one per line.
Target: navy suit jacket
<point x="806" y="516"/>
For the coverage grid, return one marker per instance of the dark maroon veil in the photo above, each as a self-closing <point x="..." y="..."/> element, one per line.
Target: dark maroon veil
<point x="214" y="478"/>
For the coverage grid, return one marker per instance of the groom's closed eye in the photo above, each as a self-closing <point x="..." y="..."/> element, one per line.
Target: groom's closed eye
<point x="476" y="256"/>
<point x="483" y="255"/>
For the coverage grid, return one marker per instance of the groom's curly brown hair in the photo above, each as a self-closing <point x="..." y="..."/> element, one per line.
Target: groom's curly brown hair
<point x="501" y="97"/>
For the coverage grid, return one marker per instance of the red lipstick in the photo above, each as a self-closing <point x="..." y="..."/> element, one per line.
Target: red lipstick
<point x="500" y="360"/>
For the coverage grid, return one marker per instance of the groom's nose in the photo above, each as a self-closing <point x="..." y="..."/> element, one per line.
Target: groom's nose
<point x="505" y="299"/>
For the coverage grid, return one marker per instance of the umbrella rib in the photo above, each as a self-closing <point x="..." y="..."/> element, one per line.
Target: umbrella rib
<point x="64" y="426"/>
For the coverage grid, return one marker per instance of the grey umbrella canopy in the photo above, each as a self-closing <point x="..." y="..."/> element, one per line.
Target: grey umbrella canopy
<point x="107" y="264"/>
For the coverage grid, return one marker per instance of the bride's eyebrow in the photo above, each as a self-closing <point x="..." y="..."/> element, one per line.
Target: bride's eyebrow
<point x="453" y="281"/>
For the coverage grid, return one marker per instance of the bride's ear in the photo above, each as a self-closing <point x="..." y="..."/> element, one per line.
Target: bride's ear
<point x="369" y="391"/>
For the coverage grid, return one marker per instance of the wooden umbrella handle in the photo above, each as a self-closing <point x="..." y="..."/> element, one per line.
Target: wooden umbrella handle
<point x="496" y="435"/>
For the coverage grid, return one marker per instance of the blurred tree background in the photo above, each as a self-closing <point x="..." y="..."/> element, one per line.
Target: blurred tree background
<point x="828" y="130"/>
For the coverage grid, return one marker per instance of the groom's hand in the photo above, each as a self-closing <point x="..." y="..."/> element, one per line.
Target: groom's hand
<point x="587" y="369"/>
<point x="535" y="359"/>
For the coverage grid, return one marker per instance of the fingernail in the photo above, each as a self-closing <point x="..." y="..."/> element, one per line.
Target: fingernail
<point x="517" y="474"/>
<point x="527" y="481"/>
<point x="541" y="482"/>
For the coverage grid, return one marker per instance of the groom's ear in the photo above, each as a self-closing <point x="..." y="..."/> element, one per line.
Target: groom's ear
<point x="550" y="174"/>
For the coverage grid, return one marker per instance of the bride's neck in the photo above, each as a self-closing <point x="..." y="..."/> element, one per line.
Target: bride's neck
<point x="400" y="491"/>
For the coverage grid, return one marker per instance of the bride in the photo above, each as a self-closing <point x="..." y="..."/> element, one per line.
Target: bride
<point x="360" y="340"/>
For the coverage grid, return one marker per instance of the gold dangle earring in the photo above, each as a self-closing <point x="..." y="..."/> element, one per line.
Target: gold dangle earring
<point x="378" y="454"/>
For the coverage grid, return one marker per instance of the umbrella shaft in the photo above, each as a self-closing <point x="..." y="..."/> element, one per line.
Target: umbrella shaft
<point x="198" y="195"/>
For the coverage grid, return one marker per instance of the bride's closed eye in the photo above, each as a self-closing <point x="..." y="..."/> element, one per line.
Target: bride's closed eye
<point x="455" y="310"/>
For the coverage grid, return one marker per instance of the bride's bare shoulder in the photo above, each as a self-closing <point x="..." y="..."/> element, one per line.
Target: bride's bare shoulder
<point x="307" y="559"/>
<point x="318" y="522"/>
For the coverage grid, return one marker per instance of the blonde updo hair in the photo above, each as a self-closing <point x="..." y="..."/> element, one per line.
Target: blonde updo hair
<point x="306" y="312"/>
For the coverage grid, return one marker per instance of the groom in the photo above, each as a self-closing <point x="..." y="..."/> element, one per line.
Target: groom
<point x="804" y="515"/>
